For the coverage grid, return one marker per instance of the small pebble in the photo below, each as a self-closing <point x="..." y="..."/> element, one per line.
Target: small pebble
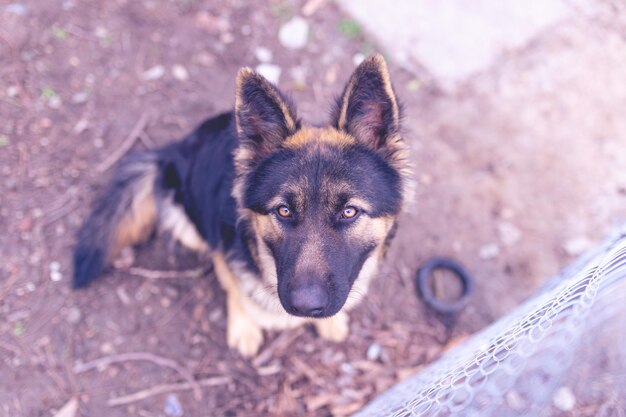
<point x="112" y="371"/>
<point x="414" y="84"/>
<point x="101" y="32"/>
<point x="227" y="38"/>
<point x="55" y="266"/>
<point x="74" y="315"/>
<point x="211" y="24"/>
<point x="564" y="399"/>
<point x="298" y="74"/>
<point x="374" y="351"/>
<point x="171" y="292"/>
<point x="331" y="74"/>
<point x="80" y="97"/>
<point x="515" y="401"/>
<point x="312" y="6"/>
<point x="55" y="102"/>
<point x="263" y="54"/>
<point x="125" y="259"/>
<point x="16" y="8"/>
<point x="348" y="369"/>
<point x="294" y="34"/>
<point x="25" y="225"/>
<point x="172" y="406"/>
<point x="489" y="251"/>
<point x="123" y="295"/>
<point x="153" y="73"/>
<point x="81" y="126"/>
<point x="204" y="59"/>
<point x="509" y="233"/>
<point x="215" y="315"/>
<point x="577" y="245"/>
<point x="180" y="73"/>
<point x="43" y="341"/>
<point x="358" y="58"/>
<point x="270" y="71"/>
<point x="56" y="276"/>
<point x="59" y="229"/>
<point x="106" y="348"/>
<point x="12" y="91"/>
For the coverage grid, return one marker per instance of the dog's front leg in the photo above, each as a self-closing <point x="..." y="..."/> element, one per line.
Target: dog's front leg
<point x="335" y="328"/>
<point x="242" y="332"/>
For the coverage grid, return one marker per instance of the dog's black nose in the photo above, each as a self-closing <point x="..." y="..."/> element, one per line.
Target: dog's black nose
<point x="309" y="301"/>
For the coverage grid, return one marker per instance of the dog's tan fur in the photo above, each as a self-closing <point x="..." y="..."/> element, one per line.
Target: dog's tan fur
<point x="316" y="135"/>
<point x="138" y="222"/>
<point x="175" y="221"/>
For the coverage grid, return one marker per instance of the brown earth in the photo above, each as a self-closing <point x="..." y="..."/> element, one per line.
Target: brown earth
<point x="518" y="171"/>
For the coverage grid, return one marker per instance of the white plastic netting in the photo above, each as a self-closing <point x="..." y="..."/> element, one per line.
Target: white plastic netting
<point x="562" y="350"/>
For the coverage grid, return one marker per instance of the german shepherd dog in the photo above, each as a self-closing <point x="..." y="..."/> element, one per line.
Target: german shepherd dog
<point x="295" y="218"/>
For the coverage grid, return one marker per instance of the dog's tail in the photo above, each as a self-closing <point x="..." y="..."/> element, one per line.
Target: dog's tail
<point x="124" y="215"/>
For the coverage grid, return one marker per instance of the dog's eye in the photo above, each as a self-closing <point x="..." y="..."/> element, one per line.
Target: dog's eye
<point x="283" y="211"/>
<point x="349" y="212"/>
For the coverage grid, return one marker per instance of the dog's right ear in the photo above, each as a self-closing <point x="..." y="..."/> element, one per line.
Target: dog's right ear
<point x="264" y="118"/>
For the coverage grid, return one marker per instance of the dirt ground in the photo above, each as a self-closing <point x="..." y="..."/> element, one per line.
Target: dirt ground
<point x="518" y="172"/>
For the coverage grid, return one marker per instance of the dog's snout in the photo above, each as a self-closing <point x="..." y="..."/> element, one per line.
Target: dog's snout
<point x="309" y="300"/>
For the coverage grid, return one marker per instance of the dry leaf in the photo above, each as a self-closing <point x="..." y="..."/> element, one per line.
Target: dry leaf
<point x="69" y="409"/>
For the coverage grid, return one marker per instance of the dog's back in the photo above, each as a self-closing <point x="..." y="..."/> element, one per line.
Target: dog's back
<point x="183" y="188"/>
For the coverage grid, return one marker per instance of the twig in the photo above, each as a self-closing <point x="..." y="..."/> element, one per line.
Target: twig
<point x="126" y="145"/>
<point x="161" y="389"/>
<point x="154" y="274"/>
<point x="281" y="342"/>
<point x="141" y="356"/>
<point x="146" y="140"/>
<point x="58" y="214"/>
<point x="8" y="284"/>
<point x="10" y="348"/>
<point x="305" y="369"/>
<point x="11" y="102"/>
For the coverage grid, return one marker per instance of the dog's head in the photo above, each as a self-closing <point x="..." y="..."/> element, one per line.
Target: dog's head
<point x="321" y="202"/>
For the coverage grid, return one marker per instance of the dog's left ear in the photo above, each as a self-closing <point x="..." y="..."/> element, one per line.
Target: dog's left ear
<point x="368" y="109"/>
<point x="264" y="118"/>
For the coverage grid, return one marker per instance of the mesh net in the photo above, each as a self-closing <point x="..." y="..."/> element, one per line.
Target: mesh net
<point x="562" y="350"/>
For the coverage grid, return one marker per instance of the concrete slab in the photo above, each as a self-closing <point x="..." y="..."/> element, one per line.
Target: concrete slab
<point x="454" y="39"/>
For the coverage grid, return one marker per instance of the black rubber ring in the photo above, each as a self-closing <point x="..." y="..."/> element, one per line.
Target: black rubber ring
<point x="425" y="279"/>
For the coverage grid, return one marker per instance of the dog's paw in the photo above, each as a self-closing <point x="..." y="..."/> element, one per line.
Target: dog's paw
<point x="335" y="328"/>
<point x="244" y="335"/>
